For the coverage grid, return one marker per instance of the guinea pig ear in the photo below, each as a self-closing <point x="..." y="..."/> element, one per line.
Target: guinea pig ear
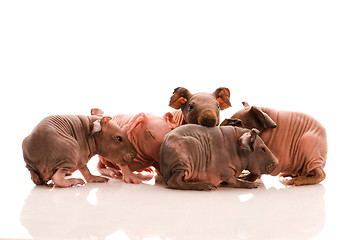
<point x="245" y="104"/>
<point x="263" y="117"/>
<point x="104" y="121"/>
<point x="180" y="96"/>
<point x="222" y="95"/>
<point x="99" y="125"/>
<point x="232" y="122"/>
<point x="247" y="140"/>
<point x="96" y="127"/>
<point x="134" y="122"/>
<point x="169" y="118"/>
<point x="255" y="130"/>
<point x="97" y="112"/>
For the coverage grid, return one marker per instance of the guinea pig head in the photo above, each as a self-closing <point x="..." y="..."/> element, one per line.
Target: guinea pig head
<point x="147" y="131"/>
<point x="111" y="142"/>
<point x="260" y="159"/>
<point x="201" y="108"/>
<point x="250" y="117"/>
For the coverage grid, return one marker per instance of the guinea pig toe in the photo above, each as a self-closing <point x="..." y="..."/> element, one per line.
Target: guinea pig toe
<point x="117" y="175"/>
<point x="75" y="182"/>
<point x="132" y="179"/>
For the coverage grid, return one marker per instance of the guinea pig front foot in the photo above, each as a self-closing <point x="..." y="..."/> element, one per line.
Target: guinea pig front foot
<point x="90" y="178"/>
<point x="60" y="181"/>
<point x="97" y="179"/>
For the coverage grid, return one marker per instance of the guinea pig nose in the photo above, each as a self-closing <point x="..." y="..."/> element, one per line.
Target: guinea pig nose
<point x="208" y="119"/>
<point x="270" y="168"/>
<point x="129" y="157"/>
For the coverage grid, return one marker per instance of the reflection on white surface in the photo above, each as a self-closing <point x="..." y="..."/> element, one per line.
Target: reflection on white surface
<point x="92" y="197"/>
<point x="117" y="235"/>
<point x="123" y="211"/>
<point x="245" y="197"/>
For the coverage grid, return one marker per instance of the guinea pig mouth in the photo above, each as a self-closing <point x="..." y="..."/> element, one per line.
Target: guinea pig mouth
<point x="270" y="168"/>
<point x="129" y="157"/>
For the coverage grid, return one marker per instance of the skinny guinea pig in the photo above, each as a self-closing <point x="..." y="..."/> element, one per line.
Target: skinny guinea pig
<point x="62" y="144"/>
<point x="298" y="141"/>
<point x="200" y="158"/>
<point x="146" y="132"/>
<point x="199" y="108"/>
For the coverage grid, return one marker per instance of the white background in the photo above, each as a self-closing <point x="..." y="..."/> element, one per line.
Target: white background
<point x="65" y="57"/>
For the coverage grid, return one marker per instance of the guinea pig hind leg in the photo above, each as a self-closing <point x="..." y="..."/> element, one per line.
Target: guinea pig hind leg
<point x="318" y="176"/>
<point x="60" y="181"/>
<point x="177" y="181"/>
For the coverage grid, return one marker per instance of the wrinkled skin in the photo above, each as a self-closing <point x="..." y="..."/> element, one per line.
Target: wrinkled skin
<point x="194" y="157"/>
<point x="297" y="140"/>
<point x="199" y="108"/>
<point x="62" y="144"/>
<point x="146" y="132"/>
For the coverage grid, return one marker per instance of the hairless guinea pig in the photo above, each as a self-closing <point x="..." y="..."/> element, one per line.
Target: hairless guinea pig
<point x="146" y="132"/>
<point x="199" y="108"/>
<point x="62" y="144"/>
<point x="200" y="158"/>
<point x="297" y="140"/>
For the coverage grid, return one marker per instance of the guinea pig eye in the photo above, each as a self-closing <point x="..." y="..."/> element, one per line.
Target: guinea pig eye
<point x="263" y="149"/>
<point x="219" y="108"/>
<point x="191" y="107"/>
<point x="120" y="139"/>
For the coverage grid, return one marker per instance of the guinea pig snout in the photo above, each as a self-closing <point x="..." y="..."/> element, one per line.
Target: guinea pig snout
<point x="208" y="119"/>
<point x="271" y="167"/>
<point x="129" y="157"/>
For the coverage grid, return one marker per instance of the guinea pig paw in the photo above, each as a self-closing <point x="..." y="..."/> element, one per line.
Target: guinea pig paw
<point x="250" y="185"/>
<point x="110" y="172"/>
<point x="145" y="177"/>
<point x="132" y="179"/>
<point x="116" y="174"/>
<point x="97" y="179"/>
<point x="208" y="187"/>
<point x="299" y="181"/>
<point x="72" y="182"/>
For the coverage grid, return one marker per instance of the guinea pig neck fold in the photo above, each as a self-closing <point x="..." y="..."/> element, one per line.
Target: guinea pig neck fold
<point x="91" y="142"/>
